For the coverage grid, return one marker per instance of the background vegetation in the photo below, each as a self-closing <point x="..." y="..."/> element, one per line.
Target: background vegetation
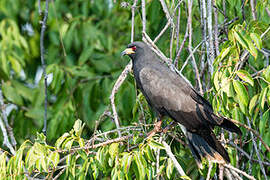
<point x="228" y="63"/>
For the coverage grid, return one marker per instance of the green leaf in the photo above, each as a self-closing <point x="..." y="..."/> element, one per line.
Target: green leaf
<point x="227" y="87"/>
<point x="149" y="154"/>
<point x="245" y="76"/>
<point x="61" y="140"/>
<point x="54" y="158"/>
<point x="15" y="65"/>
<point x="140" y="166"/>
<point x="223" y="54"/>
<point x="266" y="73"/>
<point x="216" y="80"/>
<point x="126" y="162"/>
<point x="11" y="94"/>
<point x="68" y="143"/>
<point x="262" y="98"/>
<point x="238" y="36"/>
<point x="113" y="149"/>
<point x="78" y="127"/>
<point x="241" y="92"/>
<point x="153" y="144"/>
<point x="169" y="169"/>
<point x="3" y="165"/>
<point x="85" y="55"/>
<point x="257" y="40"/>
<point x="252" y="103"/>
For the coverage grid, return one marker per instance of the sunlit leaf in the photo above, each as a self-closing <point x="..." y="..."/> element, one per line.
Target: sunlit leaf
<point x="54" y="158"/>
<point x="262" y="98"/>
<point x="252" y="103"/>
<point x="245" y="76"/>
<point x="257" y="40"/>
<point x="113" y="149"/>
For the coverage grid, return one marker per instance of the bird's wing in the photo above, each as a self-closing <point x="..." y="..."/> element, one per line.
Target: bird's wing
<point x="162" y="91"/>
<point x="166" y="95"/>
<point x="167" y="91"/>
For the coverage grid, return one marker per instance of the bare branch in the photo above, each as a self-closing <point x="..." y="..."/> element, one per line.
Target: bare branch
<point x="4" y="116"/>
<point x="42" y="50"/>
<point x="254" y="132"/>
<point x="209" y="170"/>
<point x="165" y="10"/>
<point x="132" y="20"/>
<point x="239" y="171"/>
<point x="116" y="86"/>
<point x="143" y="16"/>
<point x="210" y="35"/>
<point x="253" y="11"/>
<point x="256" y="150"/>
<point x="162" y="31"/>
<point x="6" y="141"/>
<point x="197" y="74"/>
<point x="216" y="30"/>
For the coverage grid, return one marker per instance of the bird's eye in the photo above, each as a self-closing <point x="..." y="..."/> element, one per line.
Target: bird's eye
<point x="133" y="48"/>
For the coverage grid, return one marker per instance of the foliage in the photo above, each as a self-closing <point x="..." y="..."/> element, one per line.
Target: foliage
<point x="83" y="44"/>
<point x="80" y="159"/>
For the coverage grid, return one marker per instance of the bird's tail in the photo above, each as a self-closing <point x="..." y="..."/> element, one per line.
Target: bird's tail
<point x="205" y="145"/>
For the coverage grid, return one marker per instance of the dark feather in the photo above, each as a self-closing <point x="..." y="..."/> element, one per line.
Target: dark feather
<point x="169" y="94"/>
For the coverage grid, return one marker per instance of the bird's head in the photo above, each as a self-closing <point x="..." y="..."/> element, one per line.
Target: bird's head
<point x="134" y="49"/>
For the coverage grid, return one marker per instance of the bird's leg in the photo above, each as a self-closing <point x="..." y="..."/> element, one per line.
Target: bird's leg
<point x="157" y="128"/>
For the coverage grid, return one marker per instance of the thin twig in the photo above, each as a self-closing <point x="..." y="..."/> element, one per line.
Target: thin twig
<point x="209" y="170"/>
<point x="132" y="20"/>
<point x="253" y="11"/>
<point x="162" y="31"/>
<point x="158" y="160"/>
<point x="194" y="50"/>
<point x="4" y="116"/>
<point x="210" y="35"/>
<point x="169" y="22"/>
<point x="6" y="141"/>
<point x="221" y="171"/>
<point x="256" y="150"/>
<point x="165" y="10"/>
<point x="197" y="74"/>
<point x="216" y="30"/>
<point x="181" y="48"/>
<point x="239" y="171"/>
<point x="254" y="132"/>
<point x="116" y="86"/>
<point x="143" y="16"/>
<point x="177" y="31"/>
<point x="247" y="155"/>
<point x="42" y="51"/>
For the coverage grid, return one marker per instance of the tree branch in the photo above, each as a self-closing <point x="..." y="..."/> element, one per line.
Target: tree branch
<point x="42" y="50"/>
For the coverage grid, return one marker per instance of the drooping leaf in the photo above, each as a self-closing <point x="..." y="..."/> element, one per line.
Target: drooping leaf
<point x="241" y="92"/>
<point x="252" y="103"/>
<point x="257" y="40"/>
<point x="245" y="76"/>
<point x="262" y="98"/>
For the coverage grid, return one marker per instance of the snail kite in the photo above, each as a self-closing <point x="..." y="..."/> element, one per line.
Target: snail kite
<point x="169" y="94"/>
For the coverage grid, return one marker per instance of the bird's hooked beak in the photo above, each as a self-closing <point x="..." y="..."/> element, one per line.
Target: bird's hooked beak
<point x="127" y="51"/>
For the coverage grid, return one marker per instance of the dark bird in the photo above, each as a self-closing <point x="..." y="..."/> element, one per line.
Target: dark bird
<point x="169" y="94"/>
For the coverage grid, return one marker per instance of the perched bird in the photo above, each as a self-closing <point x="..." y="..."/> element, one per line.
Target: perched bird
<point x="169" y="94"/>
